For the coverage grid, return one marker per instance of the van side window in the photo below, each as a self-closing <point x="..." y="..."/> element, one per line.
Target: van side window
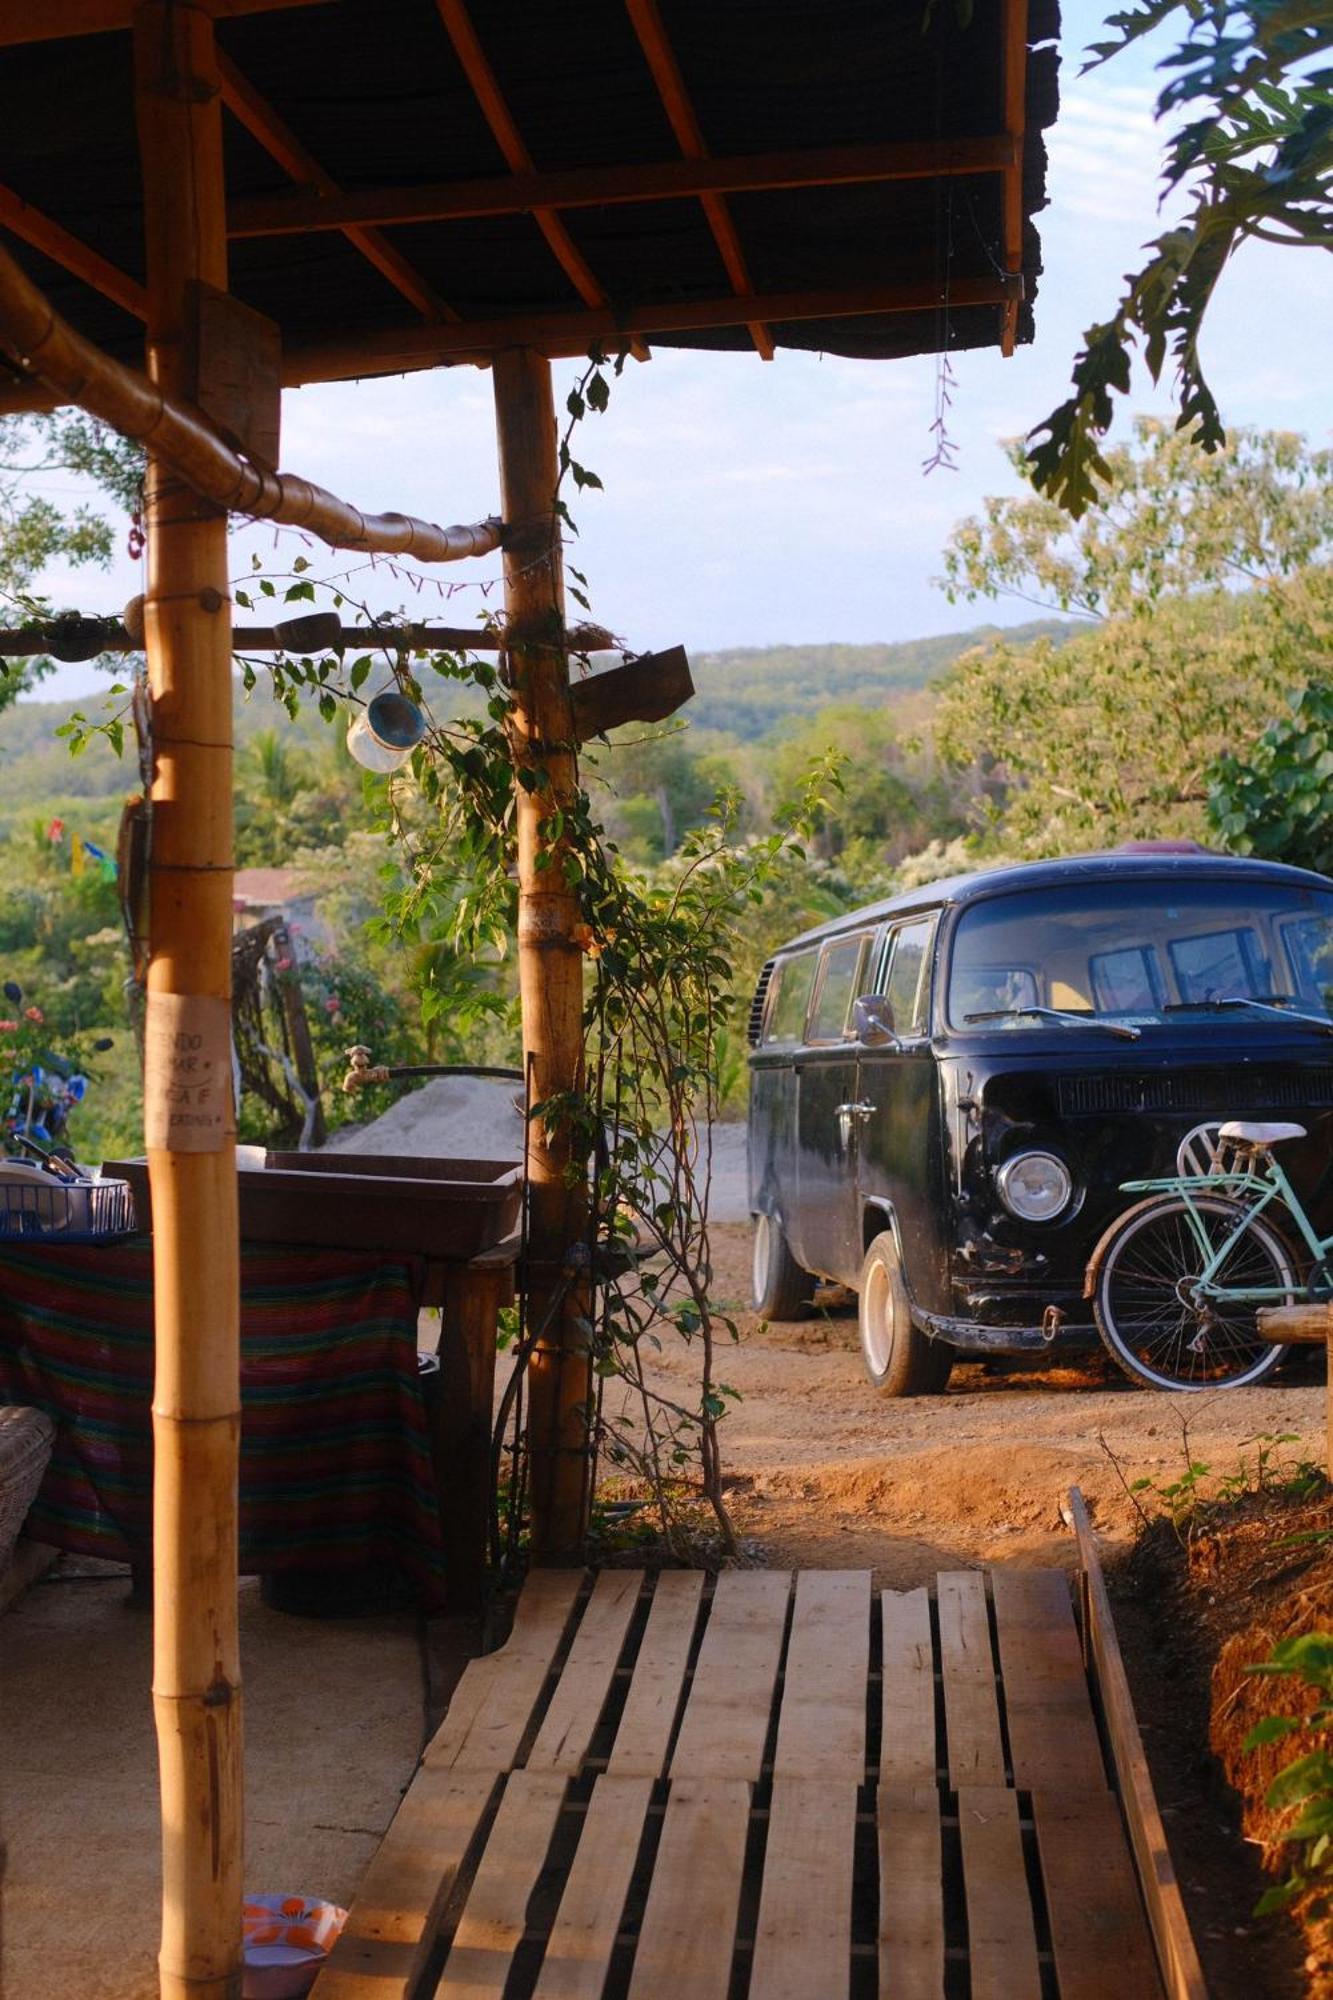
<point x="837" y="988"/>
<point x="907" y="988"/>
<point x="789" y="998"/>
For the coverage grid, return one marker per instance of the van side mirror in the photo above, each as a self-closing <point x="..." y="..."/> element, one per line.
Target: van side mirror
<point x="872" y="1018"/>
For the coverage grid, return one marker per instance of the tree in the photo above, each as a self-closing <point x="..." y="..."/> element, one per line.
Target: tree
<point x="1276" y="799"/>
<point x="1206" y="593"/>
<point x="1255" y="156"/>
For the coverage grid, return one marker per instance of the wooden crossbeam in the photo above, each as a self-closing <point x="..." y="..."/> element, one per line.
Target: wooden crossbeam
<point x="305" y="210"/>
<point x="657" y="49"/>
<point x="1015" y="59"/>
<point x="24" y="220"/>
<point x="486" y="90"/>
<point x="262" y="122"/>
<point x="395" y="350"/>
<point x="57" y="20"/>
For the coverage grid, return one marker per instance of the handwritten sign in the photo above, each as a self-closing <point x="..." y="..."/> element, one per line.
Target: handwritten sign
<point x="187" y="1073"/>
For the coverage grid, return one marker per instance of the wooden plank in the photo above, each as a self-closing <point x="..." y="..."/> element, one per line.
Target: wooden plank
<point x="651" y="1706"/>
<point x="494" y="1702"/>
<point x="726" y="1715"/>
<point x="907" y="1753"/>
<point x="803" y="1942"/>
<point x="1297" y="1325"/>
<point x="391" y="1925"/>
<point x="911" y="1893"/>
<point x="971" y="1707"/>
<point x="55" y="20"/>
<point x="1053" y="1741"/>
<point x="583" y="1936"/>
<point x="1001" y="1940"/>
<point x="1176" y="1955"/>
<point x="496" y="1912"/>
<point x="1099" y="1933"/>
<point x="822" y="1724"/>
<point x="585" y="1679"/>
<point x="689" y="1926"/>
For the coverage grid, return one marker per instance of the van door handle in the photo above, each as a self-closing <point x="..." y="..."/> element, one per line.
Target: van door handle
<point x="855" y="1110"/>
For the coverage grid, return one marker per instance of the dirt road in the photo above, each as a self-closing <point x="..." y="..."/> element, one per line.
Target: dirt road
<point x="820" y="1470"/>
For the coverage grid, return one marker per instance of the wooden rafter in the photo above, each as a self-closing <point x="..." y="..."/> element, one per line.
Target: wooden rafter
<point x="73" y="256"/>
<point x="486" y="90"/>
<point x="1015" y="121"/>
<point x="661" y="59"/>
<point x="262" y="122"/>
<point x="395" y="350"/>
<point x="302" y="211"/>
<point x="58" y="20"/>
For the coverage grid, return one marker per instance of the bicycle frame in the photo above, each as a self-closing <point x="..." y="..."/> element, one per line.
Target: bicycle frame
<point x="1258" y="1191"/>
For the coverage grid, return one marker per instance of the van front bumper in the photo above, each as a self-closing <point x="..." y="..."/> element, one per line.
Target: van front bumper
<point x="971" y="1337"/>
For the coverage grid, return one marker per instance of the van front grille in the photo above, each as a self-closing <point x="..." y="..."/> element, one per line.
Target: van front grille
<point x="1227" y="1092"/>
<point x="754" y="1027"/>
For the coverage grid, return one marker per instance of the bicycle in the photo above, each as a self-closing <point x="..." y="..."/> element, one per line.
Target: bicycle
<point x="1176" y="1280"/>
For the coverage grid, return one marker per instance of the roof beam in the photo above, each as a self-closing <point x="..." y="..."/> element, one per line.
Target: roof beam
<point x="57" y="20"/>
<point x="1015" y="60"/>
<point x="262" y="122"/>
<point x="398" y="350"/>
<point x="486" y="90"/>
<point x="303" y="211"/>
<point x="661" y="59"/>
<point x="22" y="219"/>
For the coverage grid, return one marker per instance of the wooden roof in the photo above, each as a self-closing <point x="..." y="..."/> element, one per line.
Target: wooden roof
<point x="418" y="181"/>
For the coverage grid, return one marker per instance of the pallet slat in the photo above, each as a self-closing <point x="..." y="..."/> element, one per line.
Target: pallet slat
<point x="803" y="1942"/>
<point x="391" y="1925"/>
<point x="907" y="1738"/>
<point x="911" y="1893"/>
<point x="967" y="1667"/>
<point x="1099" y="1934"/>
<point x="1053" y="1741"/>
<point x="688" y="1938"/>
<point x="1001" y="1939"/>
<point x="583" y="1936"/>
<point x="651" y="1706"/>
<point x="577" y="1703"/>
<point x="495" y="1914"/>
<point x="726" y="1714"/>
<point x="494" y="1702"/>
<point x="822" y="1723"/>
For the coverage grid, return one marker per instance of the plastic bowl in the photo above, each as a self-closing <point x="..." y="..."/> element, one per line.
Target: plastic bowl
<point x="287" y="1939"/>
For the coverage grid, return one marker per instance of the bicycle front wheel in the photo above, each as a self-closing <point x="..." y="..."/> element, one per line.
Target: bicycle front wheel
<point x="1146" y="1317"/>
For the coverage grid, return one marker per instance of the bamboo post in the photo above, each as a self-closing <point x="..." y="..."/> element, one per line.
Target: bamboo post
<point x="189" y="1120"/>
<point x="550" y="962"/>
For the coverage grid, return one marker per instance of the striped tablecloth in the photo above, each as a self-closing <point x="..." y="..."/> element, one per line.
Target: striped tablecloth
<point x="336" y="1469"/>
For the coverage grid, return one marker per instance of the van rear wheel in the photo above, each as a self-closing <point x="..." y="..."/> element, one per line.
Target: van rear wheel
<point x="899" y="1359"/>
<point x="779" y="1287"/>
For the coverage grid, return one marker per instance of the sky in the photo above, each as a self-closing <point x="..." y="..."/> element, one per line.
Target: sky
<point x="749" y="503"/>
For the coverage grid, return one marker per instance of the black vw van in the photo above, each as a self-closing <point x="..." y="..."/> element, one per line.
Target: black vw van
<point x="948" y="1089"/>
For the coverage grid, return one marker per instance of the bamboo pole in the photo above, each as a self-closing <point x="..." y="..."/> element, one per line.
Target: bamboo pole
<point x="550" y="961"/>
<point x="157" y="412"/>
<point x="189" y="1120"/>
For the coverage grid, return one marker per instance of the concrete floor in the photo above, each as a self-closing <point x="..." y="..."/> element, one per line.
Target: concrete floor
<point x="334" y="1716"/>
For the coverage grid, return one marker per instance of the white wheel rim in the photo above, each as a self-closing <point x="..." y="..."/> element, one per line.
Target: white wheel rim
<point x="877" y="1317"/>
<point x="763" y="1225"/>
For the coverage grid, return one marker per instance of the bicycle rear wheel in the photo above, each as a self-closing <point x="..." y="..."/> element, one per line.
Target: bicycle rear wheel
<point x="1142" y="1306"/>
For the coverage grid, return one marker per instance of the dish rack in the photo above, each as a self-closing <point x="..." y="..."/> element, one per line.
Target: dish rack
<point x="35" y="1205"/>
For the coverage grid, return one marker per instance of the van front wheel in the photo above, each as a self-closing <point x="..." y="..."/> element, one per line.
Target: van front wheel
<point x="899" y="1359"/>
<point x="779" y="1287"/>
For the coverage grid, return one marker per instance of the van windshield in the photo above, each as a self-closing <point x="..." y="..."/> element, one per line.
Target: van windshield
<point x="1144" y="952"/>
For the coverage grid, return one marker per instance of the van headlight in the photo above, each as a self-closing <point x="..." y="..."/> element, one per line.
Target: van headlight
<point x="1035" y="1187"/>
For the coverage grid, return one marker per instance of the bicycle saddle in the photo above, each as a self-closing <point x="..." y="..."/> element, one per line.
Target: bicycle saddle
<point x="1238" y="1132"/>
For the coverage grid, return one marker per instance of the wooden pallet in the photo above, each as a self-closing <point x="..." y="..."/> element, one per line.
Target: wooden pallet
<point x="783" y="1786"/>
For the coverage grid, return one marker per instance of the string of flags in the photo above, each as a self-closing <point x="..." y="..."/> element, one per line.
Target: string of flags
<point x="85" y="856"/>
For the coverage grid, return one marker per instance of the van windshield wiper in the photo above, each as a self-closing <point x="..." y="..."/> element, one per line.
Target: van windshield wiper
<point x="1280" y="1005"/>
<point x="1084" y="1020"/>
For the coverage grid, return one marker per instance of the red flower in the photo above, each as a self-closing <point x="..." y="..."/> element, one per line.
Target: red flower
<point x="8" y="1027"/>
<point x="333" y="1005"/>
<point x="33" y="1014"/>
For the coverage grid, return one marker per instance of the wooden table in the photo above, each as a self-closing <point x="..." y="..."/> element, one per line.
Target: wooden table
<point x="786" y="1786"/>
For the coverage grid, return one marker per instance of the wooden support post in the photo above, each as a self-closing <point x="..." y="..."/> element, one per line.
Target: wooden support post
<point x="472" y="1296"/>
<point x="189" y="1124"/>
<point x="1308" y="1325"/>
<point x="550" y="961"/>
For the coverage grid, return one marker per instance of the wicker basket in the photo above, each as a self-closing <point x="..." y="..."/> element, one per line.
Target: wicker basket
<point x="26" y="1437"/>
